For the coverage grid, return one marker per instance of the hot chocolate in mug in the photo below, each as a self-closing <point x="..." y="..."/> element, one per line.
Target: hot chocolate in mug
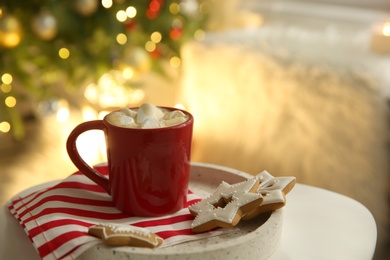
<point x="148" y="154"/>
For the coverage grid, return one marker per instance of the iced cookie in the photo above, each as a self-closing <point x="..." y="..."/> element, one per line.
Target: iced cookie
<point x="274" y="191"/>
<point x="125" y="235"/>
<point x="226" y="206"/>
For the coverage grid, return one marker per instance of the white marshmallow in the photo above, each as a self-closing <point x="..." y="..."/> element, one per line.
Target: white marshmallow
<point x="132" y="125"/>
<point x="119" y="119"/>
<point x="150" y="123"/>
<point x="173" y="121"/>
<point x="129" y="112"/>
<point x="174" y="114"/>
<point x="147" y="116"/>
<point x="148" y="111"/>
<point x="115" y="114"/>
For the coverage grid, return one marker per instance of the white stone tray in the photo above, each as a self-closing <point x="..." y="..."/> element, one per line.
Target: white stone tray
<point x="255" y="239"/>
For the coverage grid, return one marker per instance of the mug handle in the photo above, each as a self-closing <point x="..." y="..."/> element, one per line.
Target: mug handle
<point x="74" y="155"/>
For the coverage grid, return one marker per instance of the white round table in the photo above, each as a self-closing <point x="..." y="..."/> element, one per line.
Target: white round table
<point x="318" y="224"/>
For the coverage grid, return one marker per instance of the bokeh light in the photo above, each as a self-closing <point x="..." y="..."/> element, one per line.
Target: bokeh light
<point x="107" y="3"/>
<point x="10" y="101"/>
<point x="131" y="11"/>
<point x="6" y="78"/>
<point x="5" y="127"/>
<point x="64" y="53"/>
<point x="121" y="38"/>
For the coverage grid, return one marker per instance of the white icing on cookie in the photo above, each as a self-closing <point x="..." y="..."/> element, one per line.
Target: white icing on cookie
<point x="121" y="229"/>
<point x="226" y="203"/>
<point x="230" y="198"/>
<point x="272" y="188"/>
<point x="117" y="230"/>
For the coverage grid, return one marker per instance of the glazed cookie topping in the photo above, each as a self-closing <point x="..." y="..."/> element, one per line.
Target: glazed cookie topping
<point x="274" y="188"/>
<point x="125" y="235"/>
<point x="274" y="191"/>
<point x="226" y="206"/>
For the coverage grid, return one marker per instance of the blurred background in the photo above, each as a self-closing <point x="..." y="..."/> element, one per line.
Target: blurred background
<point x="292" y="87"/>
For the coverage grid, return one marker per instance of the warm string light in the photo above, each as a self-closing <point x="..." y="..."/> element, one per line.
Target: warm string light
<point x="64" y="53"/>
<point x="107" y="3"/>
<point x="7" y="78"/>
<point x="9" y="101"/>
<point x="63" y="112"/>
<point x="154" y="8"/>
<point x="5" y="127"/>
<point x="110" y="91"/>
<point x="12" y="31"/>
<point x="199" y="35"/>
<point x="174" y="8"/>
<point x="130" y="60"/>
<point x="175" y="62"/>
<point x="152" y="12"/>
<point x="6" y="87"/>
<point x="121" y="38"/>
<point x="121" y="16"/>
<point x="129" y="13"/>
<point x="150" y="46"/>
<point x="156" y="37"/>
<point x="128" y="73"/>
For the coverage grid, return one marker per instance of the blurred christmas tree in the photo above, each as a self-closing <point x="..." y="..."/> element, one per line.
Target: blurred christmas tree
<point x="51" y="49"/>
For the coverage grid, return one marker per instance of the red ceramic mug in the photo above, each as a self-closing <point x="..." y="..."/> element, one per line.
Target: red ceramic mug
<point x="148" y="168"/>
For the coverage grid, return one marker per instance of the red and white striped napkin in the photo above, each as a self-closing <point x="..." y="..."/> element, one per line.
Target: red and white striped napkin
<point x="56" y="219"/>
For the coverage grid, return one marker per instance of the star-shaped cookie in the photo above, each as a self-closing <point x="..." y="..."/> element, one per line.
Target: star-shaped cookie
<point x="226" y="206"/>
<point x="274" y="191"/>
